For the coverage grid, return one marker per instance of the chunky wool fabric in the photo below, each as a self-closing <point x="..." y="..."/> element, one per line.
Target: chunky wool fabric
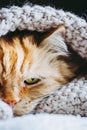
<point x="42" y="18"/>
<point x="5" y="111"/>
<point x="72" y="98"/>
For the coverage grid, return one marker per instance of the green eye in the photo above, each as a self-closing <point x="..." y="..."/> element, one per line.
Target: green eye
<point x="31" y="81"/>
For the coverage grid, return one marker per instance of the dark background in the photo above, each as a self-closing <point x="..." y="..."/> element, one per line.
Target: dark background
<point x="78" y="7"/>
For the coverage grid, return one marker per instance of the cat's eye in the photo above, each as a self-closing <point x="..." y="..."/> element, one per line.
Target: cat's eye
<point x="31" y="81"/>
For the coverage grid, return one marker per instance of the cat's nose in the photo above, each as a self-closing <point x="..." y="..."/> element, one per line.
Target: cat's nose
<point x="10" y="102"/>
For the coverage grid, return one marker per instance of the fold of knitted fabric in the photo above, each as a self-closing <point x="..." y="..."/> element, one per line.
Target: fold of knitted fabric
<point x="43" y="18"/>
<point x="71" y="99"/>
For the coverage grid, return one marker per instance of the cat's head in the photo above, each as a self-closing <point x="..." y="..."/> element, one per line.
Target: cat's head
<point x="30" y="71"/>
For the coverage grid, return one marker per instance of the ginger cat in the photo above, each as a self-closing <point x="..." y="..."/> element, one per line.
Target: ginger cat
<point x="31" y="71"/>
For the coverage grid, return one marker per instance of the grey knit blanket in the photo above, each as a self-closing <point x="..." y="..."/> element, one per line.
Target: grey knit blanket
<point x="72" y="98"/>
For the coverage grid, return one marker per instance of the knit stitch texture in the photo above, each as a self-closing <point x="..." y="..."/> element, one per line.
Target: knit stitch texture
<point x="42" y="18"/>
<point x="72" y="98"/>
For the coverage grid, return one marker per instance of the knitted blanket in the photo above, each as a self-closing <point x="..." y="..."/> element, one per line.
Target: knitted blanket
<point x="72" y="98"/>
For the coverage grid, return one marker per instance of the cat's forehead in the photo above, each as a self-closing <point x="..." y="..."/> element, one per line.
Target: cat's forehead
<point x="42" y="69"/>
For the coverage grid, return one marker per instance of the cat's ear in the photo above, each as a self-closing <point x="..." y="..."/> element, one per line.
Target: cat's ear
<point x="56" y="38"/>
<point x="59" y="31"/>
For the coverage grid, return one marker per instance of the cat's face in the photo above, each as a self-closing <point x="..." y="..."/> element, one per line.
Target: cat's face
<point x="29" y="72"/>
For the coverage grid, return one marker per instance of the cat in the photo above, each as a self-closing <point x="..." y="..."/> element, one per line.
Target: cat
<point x="31" y="69"/>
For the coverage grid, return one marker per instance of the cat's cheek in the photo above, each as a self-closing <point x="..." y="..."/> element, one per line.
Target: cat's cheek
<point x="24" y="106"/>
